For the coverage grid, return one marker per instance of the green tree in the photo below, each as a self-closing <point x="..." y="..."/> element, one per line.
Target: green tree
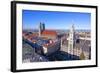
<point x="82" y="56"/>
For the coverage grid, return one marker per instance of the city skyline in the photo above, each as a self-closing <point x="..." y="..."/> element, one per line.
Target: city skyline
<point x="55" y="20"/>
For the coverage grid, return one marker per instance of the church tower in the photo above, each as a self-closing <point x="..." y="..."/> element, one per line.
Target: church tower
<point x="72" y="39"/>
<point x="41" y="28"/>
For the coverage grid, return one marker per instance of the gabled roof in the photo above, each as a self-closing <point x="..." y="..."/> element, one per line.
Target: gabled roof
<point x="49" y="32"/>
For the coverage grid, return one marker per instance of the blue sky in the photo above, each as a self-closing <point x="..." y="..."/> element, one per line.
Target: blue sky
<point x="55" y="20"/>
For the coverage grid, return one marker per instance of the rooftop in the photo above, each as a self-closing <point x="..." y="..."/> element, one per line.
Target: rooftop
<point x="49" y="32"/>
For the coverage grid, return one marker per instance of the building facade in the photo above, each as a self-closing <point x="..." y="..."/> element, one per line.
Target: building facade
<point x="72" y="40"/>
<point x="49" y="34"/>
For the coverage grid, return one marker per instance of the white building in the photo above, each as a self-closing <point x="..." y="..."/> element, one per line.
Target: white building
<point x="51" y="47"/>
<point x="72" y="40"/>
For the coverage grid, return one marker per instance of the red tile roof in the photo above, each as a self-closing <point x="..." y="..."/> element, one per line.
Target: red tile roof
<point x="49" y="32"/>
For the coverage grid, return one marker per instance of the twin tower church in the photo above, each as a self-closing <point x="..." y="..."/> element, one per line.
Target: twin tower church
<point x="52" y="34"/>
